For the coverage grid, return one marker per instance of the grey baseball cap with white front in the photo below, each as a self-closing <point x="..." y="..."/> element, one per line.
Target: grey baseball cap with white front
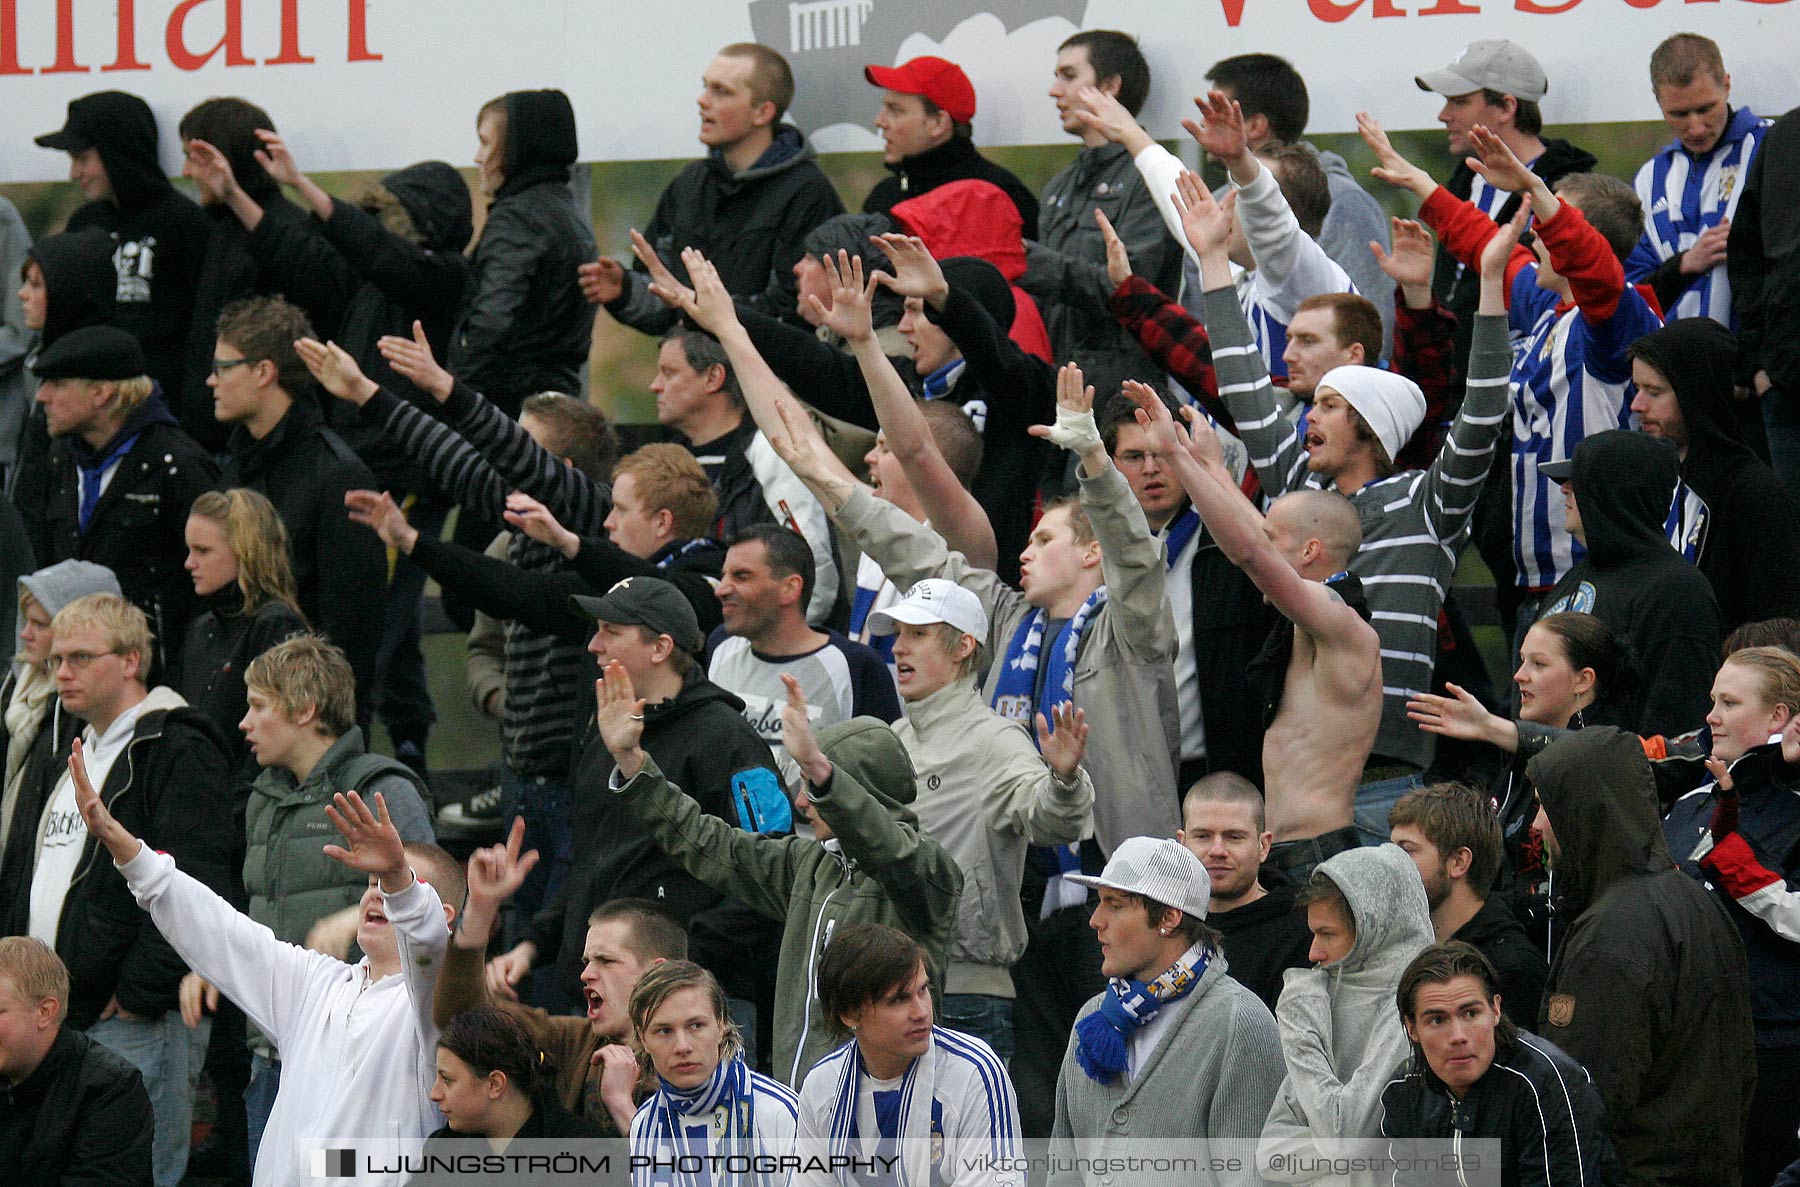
<point x="1158" y="868"/>
<point x="1493" y="64"/>
<point x="931" y="601"/>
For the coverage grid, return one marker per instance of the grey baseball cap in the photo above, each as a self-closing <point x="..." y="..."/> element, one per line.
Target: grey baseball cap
<point x="1493" y="64"/>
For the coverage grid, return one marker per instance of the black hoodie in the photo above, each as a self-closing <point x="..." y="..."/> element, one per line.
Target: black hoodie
<point x="528" y="328"/>
<point x="370" y="281"/>
<point x="158" y="233"/>
<point x="954" y="160"/>
<point x="1649" y="988"/>
<point x="1659" y="606"/>
<point x="1750" y="517"/>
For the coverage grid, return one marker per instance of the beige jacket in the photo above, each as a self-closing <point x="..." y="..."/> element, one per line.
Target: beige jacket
<point x="1124" y="676"/>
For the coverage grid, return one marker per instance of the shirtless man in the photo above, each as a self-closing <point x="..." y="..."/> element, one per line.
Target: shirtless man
<point x="1328" y="706"/>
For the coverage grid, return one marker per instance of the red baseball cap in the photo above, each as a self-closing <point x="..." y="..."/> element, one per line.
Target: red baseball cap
<point x="943" y="82"/>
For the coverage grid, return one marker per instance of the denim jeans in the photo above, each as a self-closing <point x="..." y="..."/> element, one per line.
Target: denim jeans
<point x="259" y="1099"/>
<point x="544" y="803"/>
<point x="170" y="1057"/>
<point x="1375" y="800"/>
<point x="989" y="1019"/>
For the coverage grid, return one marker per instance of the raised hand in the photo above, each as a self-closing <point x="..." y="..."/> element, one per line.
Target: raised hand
<point x="1107" y="116"/>
<point x="497" y="871"/>
<point x="100" y="822"/>
<point x="602" y="280"/>
<point x="713" y="309"/>
<point x="1460" y="715"/>
<point x="276" y="161"/>
<point x="1498" y="163"/>
<point x="916" y="272"/>
<point x="525" y="514"/>
<point x="377" y="509"/>
<point x="1205" y="222"/>
<point x="411" y="359"/>
<point x="1062" y="747"/>
<point x="1118" y="261"/>
<point x="1201" y="440"/>
<point x="1162" y="434"/>
<point x="335" y="371"/>
<point x="800" y="446"/>
<point x="1074" y="429"/>
<point x="797" y="736"/>
<point x="620" y="718"/>
<point x="1413" y="257"/>
<point x="1390" y="166"/>
<point x="663" y="284"/>
<point x="371" y="842"/>
<point x="1220" y="130"/>
<point x="210" y="171"/>
<point x="849" y="315"/>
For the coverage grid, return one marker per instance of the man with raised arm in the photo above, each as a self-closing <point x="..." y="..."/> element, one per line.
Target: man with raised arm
<point x="358" y="1041"/>
<point x="1413" y="521"/>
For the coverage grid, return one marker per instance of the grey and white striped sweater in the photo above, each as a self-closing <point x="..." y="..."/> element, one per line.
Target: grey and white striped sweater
<point x="477" y="458"/>
<point x="1414" y="523"/>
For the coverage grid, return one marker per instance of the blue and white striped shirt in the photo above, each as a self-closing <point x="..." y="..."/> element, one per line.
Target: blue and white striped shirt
<point x="1683" y="196"/>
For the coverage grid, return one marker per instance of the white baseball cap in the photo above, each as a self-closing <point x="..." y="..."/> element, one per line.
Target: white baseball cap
<point x="933" y="600"/>
<point x="1158" y="868"/>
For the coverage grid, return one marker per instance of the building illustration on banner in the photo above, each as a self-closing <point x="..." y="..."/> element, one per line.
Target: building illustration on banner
<point x="828" y="42"/>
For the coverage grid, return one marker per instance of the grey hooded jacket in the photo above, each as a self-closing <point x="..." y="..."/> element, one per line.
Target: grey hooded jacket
<point x="1340" y="1033"/>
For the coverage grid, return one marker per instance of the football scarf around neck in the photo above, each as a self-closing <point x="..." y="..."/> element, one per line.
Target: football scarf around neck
<point x="1181" y="529"/>
<point x="671" y="1108"/>
<point x="1128" y="1005"/>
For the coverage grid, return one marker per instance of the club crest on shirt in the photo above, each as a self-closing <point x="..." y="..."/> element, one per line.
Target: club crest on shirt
<point x="1562" y="1009"/>
<point x="1727" y="182"/>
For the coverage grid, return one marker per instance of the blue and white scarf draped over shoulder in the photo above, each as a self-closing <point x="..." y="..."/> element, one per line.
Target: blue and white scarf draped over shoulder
<point x="723" y="1108"/>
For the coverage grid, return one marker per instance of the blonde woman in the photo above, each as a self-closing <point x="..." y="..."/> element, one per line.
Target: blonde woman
<point x="237" y="556"/>
<point x="708" y="1103"/>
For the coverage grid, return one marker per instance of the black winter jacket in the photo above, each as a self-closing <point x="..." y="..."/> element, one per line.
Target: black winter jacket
<point x="340" y="568"/>
<point x="171" y="786"/>
<point x="954" y="160"/>
<point x="1659" y="606"/>
<point x="1750" y="515"/>
<point x="1537" y="1101"/>
<point x="751" y="225"/>
<point x="528" y="328"/>
<point x="82" y="1117"/>
<point x="1263" y="940"/>
<point x="139" y="523"/>
<point x="1649" y="988"/>
<point x="701" y="739"/>
<point x="371" y="281"/>
<point x="1763" y="261"/>
<point x="158" y="234"/>
<point x="1231" y="623"/>
<point x="1521" y="967"/>
<point x="221" y="642"/>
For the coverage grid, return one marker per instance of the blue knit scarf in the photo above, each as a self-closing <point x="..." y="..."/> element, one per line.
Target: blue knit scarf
<point x="1128" y="1005"/>
<point x="729" y="1088"/>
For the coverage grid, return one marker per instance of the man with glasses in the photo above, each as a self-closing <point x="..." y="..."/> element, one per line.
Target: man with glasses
<point x="122" y="475"/>
<point x="161" y="768"/>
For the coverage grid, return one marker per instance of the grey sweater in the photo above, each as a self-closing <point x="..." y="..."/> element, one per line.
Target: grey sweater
<point x="1414" y="523"/>
<point x="1214" y="1075"/>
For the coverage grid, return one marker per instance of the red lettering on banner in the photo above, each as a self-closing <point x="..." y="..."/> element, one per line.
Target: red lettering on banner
<point x="290" y="54"/>
<point x="9" y="38"/>
<point x="1234" y="11"/>
<point x="127" y="58"/>
<point x="1450" y="8"/>
<point x="1332" y="12"/>
<point x="65" y="42"/>
<point x="1536" y="9"/>
<point x="231" y="41"/>
<point x="358" y="50"/>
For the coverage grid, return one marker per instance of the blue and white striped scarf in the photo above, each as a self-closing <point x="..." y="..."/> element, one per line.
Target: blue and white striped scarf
<point x="727" y="1089"/>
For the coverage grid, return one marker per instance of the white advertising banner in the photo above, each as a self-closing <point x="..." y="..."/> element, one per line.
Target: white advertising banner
<point x="368" y="84"/>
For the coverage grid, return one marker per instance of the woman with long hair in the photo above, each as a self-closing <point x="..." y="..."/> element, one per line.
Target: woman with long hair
<point x="708" y="1101"/>
<point x="238" y="560"/>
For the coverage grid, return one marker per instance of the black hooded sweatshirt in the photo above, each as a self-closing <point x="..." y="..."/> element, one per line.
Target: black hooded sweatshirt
<point x="158" y="234"/>
<point x="370" y="281"/>
<point x="528" y="328"/>
<point x="1659" y="606"/>
<point x="953" y="160"/>
<point x="1750" y="528"/>
<point x="1649" y="987"/>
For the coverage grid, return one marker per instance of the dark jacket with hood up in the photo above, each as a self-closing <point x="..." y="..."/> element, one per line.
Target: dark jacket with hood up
<point x="369" y="279"/>
<point x="528" y="328"/>
<point x="1459" y="287"/>
<point x="340" y="568"/>
<point x="81" y="1117"/>
<point x="1659" y="606"/>
<point x="1649" y="988"/>
<point x="954" y="160"/>
<point x="157" y="234"/>
<point x="751" y="225"/>
<point x="700" y="737"/>
<point x="1751" y="516"/>
<point x="138" y="525"/>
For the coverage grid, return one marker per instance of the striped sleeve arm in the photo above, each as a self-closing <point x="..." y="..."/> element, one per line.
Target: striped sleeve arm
<point x="460" y="470"/>
<point x="1274" y="442"/>
<point x="1758" y="889"/>
<point x="576" y="500"/>
<point x="1453" y="483"/>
